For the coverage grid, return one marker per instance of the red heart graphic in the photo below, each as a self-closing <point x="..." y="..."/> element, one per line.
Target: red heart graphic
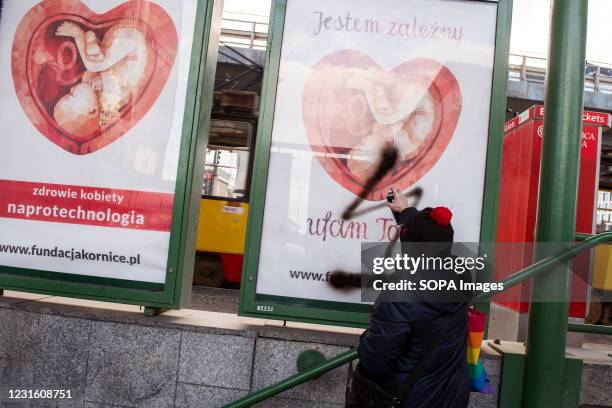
<point x="352" y="108"/>
<point x="85" y="79"/>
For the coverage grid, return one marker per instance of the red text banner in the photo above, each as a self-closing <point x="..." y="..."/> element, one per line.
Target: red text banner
<point x="96" y="206"/>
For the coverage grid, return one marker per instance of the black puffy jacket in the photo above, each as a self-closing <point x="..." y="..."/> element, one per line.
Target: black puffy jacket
<point x="400" y="334"/>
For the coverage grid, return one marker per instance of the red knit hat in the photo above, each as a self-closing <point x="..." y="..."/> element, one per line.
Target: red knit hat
<point x="441" y="215"/>
<point x="428" y="225"/>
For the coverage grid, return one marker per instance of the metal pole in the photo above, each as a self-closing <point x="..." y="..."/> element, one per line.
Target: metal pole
<point x="556" y="220"/>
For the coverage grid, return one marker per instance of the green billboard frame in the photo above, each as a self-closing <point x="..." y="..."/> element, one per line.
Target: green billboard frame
<point x="175" y="292"/>
<point x="339" y="313"/>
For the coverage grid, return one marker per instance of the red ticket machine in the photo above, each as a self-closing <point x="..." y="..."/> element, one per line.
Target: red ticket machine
<point x="518" y="201"/>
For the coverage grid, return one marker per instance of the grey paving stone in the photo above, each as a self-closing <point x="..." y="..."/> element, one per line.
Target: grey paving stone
<point x="214" y="299"/>
<point x="596" y="385"/>
<point x="41" y="352"/>
<point x="275" y="360"/>
<point x="216" y="360"/>
<point x="40" y="404"/>
<point x="478" y="400"/>
<point x="96" y="405"/>
<point x="492" y="366"/>
<point x="199" y="396"/>
<point x="133" y="366"/>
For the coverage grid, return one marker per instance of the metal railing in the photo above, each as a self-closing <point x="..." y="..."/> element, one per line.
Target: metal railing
<point x="532" y="68"/>
<point x="589" y="328"/>
<point x="244" y="33"/>
<point x="587" y="242"/>
<point x="524" y="67"/>
<point x="294" y="380"/>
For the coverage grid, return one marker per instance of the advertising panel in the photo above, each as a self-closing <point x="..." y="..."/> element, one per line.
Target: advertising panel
<point x="94" y="104"/>
<point x="355" y="77"/>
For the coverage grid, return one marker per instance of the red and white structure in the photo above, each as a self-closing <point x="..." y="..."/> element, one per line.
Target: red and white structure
<point x="518" y="201"/>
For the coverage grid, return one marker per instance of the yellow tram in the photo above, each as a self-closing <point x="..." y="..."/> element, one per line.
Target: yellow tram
<point x="224" y="207"/>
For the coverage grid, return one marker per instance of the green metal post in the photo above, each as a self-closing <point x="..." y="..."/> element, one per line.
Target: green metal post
<point x="556" y="220"/>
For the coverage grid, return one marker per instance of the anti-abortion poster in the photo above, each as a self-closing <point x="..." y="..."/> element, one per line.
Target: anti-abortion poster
<point x="356" y="76"/>
<point x="92" y="95"/>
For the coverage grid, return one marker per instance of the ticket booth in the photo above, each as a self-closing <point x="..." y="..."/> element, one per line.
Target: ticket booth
<point x="518" y="200"/>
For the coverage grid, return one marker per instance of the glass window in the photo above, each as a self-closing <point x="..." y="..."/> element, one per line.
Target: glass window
<point x="226" y="173"/>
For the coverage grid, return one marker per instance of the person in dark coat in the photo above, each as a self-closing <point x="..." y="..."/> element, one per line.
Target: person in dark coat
<point x="401" y="333"/>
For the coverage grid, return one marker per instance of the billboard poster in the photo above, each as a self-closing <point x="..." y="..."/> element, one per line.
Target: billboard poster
<point x="92" y="98"/>
<point x="356" y="76"/>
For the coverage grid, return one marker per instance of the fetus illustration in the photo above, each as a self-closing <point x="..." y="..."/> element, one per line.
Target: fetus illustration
<point x="85" y="78"/>
<point x="403" y="113"/>
<point x="353" y="109"/>
<point x="115" y="68"/>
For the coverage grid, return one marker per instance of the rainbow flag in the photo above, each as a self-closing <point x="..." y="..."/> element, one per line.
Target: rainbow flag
<point x="476" y="328"/>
